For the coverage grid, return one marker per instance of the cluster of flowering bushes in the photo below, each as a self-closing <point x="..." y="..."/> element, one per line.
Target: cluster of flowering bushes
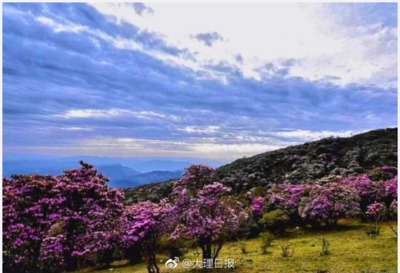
<point x="371" y="195"/>
<point x="61" y="223"/>
<point x="58" y="223"/>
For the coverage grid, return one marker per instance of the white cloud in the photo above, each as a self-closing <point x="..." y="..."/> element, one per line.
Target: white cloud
<point x="261" y="33"/>
<point x="200" y="129"/>
<point x="75" y="128"/>
<point x="109" y="113"/>
<point x="61" y="27"/>
<point x="189" y="148"/>
<point x="312" y="135"/>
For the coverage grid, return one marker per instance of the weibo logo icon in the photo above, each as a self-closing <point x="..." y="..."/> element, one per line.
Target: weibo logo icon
<point x="172" y="263"/>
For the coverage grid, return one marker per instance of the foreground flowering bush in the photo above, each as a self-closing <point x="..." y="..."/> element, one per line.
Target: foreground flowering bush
<point x="52" y="224"/>
<point x="202" y="215"/>
<point x="141" y="226"/>
<point x="30" y="207"/>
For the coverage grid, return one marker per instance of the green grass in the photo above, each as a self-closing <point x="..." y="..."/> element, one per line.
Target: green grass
<point x="352" y="250"/>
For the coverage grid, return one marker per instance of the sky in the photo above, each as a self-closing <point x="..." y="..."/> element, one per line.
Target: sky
<point x="215" y="81"/>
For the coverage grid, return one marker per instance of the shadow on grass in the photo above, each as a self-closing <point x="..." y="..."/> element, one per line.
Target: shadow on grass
<point x="309" y="231"/>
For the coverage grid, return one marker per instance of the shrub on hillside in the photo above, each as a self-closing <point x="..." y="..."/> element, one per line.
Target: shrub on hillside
<point x="369" y="191"/>
<point x="382" y="173"/>
<point x="257" y="206"/>
<point x="247" y="229"/>
<point x="327" y="204"/>
<point x="391" y="190"/>
<point x="275" y="221"/>
<point x="287" y="198"/>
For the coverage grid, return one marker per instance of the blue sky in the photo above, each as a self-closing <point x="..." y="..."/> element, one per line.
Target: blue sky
<point x="217" y="81"/>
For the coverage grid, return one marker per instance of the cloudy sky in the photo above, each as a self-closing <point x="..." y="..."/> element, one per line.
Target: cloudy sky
<point x="217" y="81"/>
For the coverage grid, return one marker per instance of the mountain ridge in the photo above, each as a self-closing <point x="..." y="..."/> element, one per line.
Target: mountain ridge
<point x="341" y="156"/>
<point x="338" y="156"/>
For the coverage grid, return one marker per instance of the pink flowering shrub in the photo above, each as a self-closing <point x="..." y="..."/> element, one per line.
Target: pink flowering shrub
<point x="201" y="212"/>
<point x="287" y="198"/>
<point x="391" y="188"/>
<point x="141" y="226"/>
<point x="368" y="190"/>
<point x="376" y="212"/>
<point x="30" y="207"/>
<point x="195" y="177"/>
<point x="53" y="253"/>
<point x="328" y="203"/>
<point x="391" y="198"/>
<point x="92" y="214"/>
<point x="257" y="205"/>
<point x="49" y="223"/>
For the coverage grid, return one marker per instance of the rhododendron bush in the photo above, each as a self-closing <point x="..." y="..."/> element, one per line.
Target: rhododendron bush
<point x="287" y="198"/>
<point x="369" y="191"/>
<point x="328" y="203"/>
<point x="141" y="226"/>
<point x="200" y="213"/>
<point x="54" y="223"/>
<point x="256" y="204"/>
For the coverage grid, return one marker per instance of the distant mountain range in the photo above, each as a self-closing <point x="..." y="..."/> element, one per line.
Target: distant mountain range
<point x="145" y="178"/>
<point x="123" y="172"/>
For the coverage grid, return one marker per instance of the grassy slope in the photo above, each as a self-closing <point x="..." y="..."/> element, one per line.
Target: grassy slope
<point x="351" y="251"/>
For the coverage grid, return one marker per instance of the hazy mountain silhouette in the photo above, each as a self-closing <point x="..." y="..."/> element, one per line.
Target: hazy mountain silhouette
<point x="123" y="172"/>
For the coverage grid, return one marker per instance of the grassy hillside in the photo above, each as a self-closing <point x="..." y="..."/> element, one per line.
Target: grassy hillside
<point x="351" y="251"/>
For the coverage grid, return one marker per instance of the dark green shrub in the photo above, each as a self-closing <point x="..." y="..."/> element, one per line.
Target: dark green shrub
<point x="247" y="229"/>
<point x="382" y="173"/>
<point x="275" y="221"/>
<point x="173" y="248"/>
